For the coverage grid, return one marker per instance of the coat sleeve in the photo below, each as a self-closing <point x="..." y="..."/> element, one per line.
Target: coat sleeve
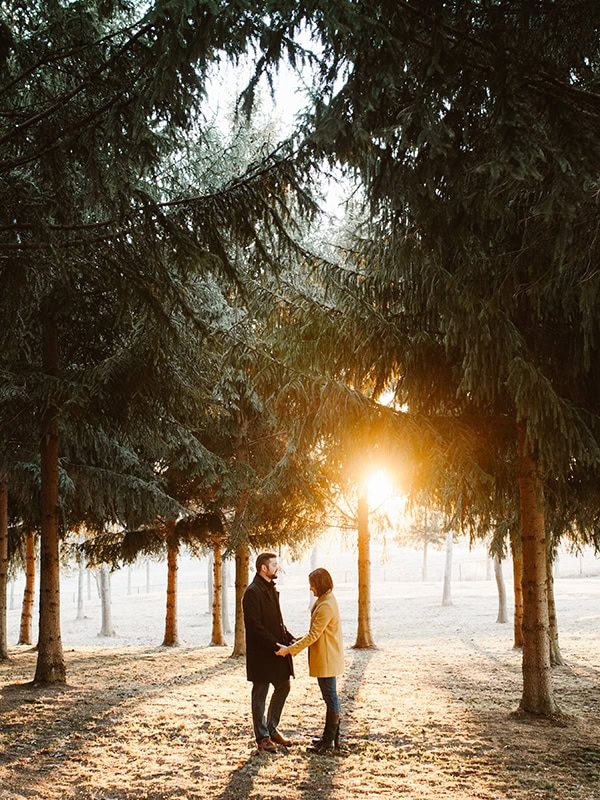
<point x="320" y="619"/>
<point x="289" y="637"/>
<point x="253" y="622"/>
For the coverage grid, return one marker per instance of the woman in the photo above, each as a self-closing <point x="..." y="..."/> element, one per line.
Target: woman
<point x="325" y="654"/>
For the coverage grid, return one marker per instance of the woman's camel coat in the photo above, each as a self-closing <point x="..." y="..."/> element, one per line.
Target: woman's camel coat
<point x="324" y="639"/>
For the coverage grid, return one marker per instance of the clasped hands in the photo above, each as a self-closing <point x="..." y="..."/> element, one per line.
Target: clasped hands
<point x="283" y="650"/>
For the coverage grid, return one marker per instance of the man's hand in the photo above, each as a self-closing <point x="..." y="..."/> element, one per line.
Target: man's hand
<point x="283" y="650"/>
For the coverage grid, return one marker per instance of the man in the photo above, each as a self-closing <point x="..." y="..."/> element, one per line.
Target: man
<point x="265" y="632"/>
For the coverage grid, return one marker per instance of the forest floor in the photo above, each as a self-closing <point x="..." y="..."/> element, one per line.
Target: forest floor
<point x="428" y="714"/>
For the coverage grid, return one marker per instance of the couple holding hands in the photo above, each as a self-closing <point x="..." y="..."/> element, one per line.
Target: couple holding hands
<point x="270" y="647"/>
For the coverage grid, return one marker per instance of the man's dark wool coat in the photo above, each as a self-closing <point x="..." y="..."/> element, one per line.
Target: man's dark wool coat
<point x="264" y="630"/>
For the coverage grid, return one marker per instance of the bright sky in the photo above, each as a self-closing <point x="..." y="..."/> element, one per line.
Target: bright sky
<point x="283" y="106"/>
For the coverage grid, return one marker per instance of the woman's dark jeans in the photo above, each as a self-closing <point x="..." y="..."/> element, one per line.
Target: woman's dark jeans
<point x="329" y="691"/>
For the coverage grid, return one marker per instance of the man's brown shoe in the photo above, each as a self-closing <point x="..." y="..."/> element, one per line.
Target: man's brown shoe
<point x="279" y="739"/>
<point x="267" y="745"/>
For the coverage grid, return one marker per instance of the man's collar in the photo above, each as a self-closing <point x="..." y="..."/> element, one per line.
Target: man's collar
<point x="264" y="582"/>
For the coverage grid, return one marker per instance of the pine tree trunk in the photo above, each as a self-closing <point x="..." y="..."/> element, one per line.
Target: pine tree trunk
<point x="217" y="631"/>
<point x="50" y="666"/>
<point x="517" y="557"/>
<point x="242" y="552"/>
<point x="556" y="657"/>
<point x="3" y="566"/>
<point x="537" y="696"/>
<point x="210" y="568"/>
<point x="502" y="615"/>
<point x="25" y="636"/>
<point x="424" y="564"/>
<point x="171" y="639"/>
<point x="242" y="563"/>
<point x="447" y="592"/>
<point x="106" y="628"/>
<point x="225" y="623"/>
<point x="364" y="638"/>
<point x="80" y="582"/>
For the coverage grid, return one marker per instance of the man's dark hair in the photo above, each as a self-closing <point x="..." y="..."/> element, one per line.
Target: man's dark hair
<point x="321" y="580"/>
<point x="263" y="558"/>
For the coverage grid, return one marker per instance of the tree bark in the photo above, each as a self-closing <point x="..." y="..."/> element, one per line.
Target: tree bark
<point x="106" y="628"/>
<point x="171" y="639"/>
<point x="517" y="558"/>
<point x="3" y="566"/>
<point x="538" y="697"/>
<point x="556" y="657"/>
<point x="50" y="666"/>
<point x="25" y="636"/>
<point x="364" y="638"/>
<point x="217" y="639"/>
<point x="80" y="581"/>
<point x="242" y="552"/>
<point x="242" y="564"/>
<point x="447" y="591"/>
<point x="225" y="622"/>
<point x="210" y="568"/>
<point x="502" y="615"/>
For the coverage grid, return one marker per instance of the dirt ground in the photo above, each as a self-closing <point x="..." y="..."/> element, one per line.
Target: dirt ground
<point x="426" y="715"/>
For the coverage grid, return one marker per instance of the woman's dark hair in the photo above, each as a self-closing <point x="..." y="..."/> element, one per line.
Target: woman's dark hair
<point x="321" y="580"/>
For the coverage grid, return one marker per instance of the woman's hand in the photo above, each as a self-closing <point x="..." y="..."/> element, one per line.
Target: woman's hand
<point x="283" y="651"/>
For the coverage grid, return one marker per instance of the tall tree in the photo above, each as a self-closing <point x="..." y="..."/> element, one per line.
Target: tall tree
<point x="364" y="637"/>
<point x="25" y="634"/>
<point x="502" y="616"/>
<point x="171" y="638"/>
<point x="517" y="561"/>
<point x="477" y="149"/>
<point x="242" y="559"/>
<point x="103" y="583"/>
<point x="3" y="565"/>
<point x="216" y="637"/>
<point x="114" y="245"/>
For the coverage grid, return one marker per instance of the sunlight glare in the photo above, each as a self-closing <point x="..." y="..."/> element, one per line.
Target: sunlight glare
<point x="379" y="488"/>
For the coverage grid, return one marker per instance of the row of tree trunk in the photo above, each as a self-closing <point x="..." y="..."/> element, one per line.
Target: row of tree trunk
<point x="220" y="615"/>
<point x="537" y="630"/>
<point x="535" y="625"/>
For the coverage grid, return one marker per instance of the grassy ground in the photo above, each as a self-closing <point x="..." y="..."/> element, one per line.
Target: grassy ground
<point x="425" y="716"/>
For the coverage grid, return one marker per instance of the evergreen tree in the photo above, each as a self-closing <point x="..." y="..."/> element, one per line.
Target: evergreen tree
<point x="105" y="249"/>
<point x="474" y="131"/>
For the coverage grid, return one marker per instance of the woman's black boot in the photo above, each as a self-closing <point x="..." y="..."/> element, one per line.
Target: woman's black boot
<point x="327" y="741"/>
<point x="318" y="739"/>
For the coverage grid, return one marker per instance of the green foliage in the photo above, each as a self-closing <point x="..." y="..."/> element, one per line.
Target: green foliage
<point x="131" y="222"/>
<point x="471" y="293"/>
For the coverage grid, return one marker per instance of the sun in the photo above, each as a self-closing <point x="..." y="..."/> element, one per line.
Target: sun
<point x="379" y="487"/>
